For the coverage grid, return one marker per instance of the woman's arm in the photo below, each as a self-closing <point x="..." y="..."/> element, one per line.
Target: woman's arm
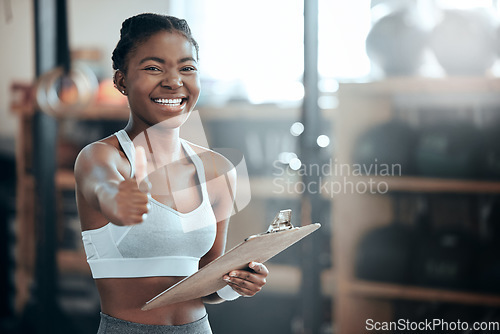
<point x="222" y="204"/>
<point x="103" y="182"/>
<point x="246" y="282"/>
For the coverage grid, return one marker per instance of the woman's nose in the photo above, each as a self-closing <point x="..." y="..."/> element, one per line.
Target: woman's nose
<point x="172" y="81"/>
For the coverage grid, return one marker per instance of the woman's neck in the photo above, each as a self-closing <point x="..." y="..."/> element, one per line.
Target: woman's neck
<point x="164" y="143"/>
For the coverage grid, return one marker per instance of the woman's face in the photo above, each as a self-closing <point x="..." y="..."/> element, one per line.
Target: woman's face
<point x="162" y="81"/>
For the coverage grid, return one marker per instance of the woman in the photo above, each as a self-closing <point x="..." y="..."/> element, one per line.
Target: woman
<point x="150" y="219"/>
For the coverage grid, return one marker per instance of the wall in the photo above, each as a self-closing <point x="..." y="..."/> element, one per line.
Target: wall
<point x="17" y="60"/>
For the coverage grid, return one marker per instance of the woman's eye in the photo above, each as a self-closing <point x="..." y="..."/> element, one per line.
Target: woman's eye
<point x="152" y="68"/>
<point x="188" y="69"/>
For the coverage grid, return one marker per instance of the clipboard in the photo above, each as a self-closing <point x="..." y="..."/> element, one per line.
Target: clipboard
<point x="260" y="247"/>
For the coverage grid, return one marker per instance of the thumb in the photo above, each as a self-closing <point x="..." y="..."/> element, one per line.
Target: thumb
<point x="141" y="169"/>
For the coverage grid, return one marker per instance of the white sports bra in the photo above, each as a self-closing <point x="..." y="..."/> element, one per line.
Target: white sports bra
<point x="167" y="243"/>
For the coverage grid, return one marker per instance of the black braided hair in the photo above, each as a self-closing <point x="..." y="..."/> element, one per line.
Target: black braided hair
<point x="137" y="29"/>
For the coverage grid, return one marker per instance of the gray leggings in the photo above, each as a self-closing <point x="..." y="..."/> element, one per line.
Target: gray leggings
<point x="111" y="325"/>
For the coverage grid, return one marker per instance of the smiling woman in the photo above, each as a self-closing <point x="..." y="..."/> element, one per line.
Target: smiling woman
<point x="155" y="212"/>
<point x="160" y="79"/>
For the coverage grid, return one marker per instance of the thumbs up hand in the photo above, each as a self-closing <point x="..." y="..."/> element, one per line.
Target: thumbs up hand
<point x="132" y="198"/>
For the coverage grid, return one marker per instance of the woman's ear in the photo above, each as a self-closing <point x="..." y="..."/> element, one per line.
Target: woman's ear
<point x="119" y="81"/>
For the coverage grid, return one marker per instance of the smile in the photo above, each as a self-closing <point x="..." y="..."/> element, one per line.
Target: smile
<point x="170" y="102"/>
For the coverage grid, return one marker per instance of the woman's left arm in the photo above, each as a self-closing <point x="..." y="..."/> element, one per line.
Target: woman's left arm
<point x="222" y="184"/>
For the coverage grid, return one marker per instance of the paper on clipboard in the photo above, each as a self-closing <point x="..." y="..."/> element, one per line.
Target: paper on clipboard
<point x="261" y="247"/>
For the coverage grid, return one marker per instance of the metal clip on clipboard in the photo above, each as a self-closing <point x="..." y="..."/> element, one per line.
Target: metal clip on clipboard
<point x="281" y="222"/>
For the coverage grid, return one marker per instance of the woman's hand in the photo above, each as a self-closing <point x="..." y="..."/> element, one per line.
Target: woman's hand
<point x="247" y="282"/>
<point x="132" y="198"/>
<point x="131" y="204"/>
<point x="126" y="201"/>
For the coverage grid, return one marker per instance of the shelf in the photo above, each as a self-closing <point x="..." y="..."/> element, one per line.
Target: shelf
<point x="104" y="112"/>
<point x="260" y="186"/>
<point x="65" y="179"/>
<point x="284" y="279"/>
<point x="426" y="184"/>
<point x="435" y="86"/>
<point x="264" y="187"/>
<point x="245" y="111"/>
<point x="287" y="279"/>
<point x="423" y="184"/>
<point x="396" y="291"/>
<point x="72" y="262"/>
<point x="231" y="111"/>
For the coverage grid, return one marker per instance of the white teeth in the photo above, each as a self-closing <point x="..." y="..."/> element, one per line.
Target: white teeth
<point x="174" y="102"/>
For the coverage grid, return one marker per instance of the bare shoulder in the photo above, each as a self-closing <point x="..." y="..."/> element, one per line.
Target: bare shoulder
<point x="105" y="152"/>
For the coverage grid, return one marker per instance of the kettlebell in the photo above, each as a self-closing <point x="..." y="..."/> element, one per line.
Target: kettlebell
<point x="447" y="250"/>
<point x="489" y="268"/>
<point x="463" y="42"/>
<point x="388" y="144"/>
<point x="489" y="265"/>
<point x="385" y="253"/>
<point x="446" y="259"/>
<point x="491" y="154"/>
<point x="396" y="43"/>
<point x="449" y="150"/>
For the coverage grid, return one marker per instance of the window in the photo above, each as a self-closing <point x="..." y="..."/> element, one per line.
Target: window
<point x="254" y="50"/>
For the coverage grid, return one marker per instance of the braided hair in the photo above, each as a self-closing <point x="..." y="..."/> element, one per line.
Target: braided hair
<point x="137" y="29"/>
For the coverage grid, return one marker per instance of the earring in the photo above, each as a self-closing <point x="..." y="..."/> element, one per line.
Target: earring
<point x="123" y="92"/>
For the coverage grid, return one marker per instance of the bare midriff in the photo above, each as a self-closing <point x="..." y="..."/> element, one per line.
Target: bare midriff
<point x="123" y="298"/>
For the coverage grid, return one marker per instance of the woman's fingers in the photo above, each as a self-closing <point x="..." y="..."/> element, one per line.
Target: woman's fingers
<point x="242" y="290"/>
<point x="248" y="282"/>
<point x="132" y="199"/>
<point x="245" y="284"/>
<point x="246" y="276"/>
<point x="259" y="268"/>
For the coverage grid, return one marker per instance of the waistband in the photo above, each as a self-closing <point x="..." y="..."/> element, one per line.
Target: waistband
<point x="112" y="325"/>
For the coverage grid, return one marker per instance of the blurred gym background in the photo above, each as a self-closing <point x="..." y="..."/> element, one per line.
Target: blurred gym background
<point x="377" y="118"/>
